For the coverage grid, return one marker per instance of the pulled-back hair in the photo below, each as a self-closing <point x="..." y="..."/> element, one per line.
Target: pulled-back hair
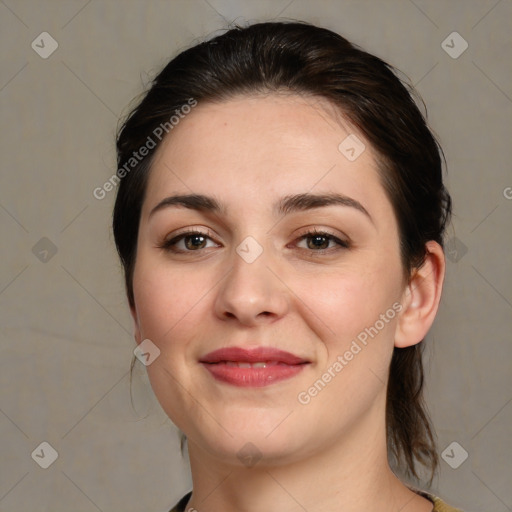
<point x="304" y="59"/>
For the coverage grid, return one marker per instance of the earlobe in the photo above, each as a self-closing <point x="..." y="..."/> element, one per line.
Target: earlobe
<point x="421" y="298"/>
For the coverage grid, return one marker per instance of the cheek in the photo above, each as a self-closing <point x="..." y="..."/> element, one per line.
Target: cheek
<point x="167" y="299"/>
<point x="171" y="310"/>
<point x="351" y="299"/>
<point x="358" y="314"/>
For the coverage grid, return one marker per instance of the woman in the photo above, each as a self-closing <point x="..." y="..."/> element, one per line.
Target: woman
<point x="280" y="218"/>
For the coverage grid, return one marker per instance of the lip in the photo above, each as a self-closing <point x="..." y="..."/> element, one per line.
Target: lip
<point x="280" y="365"/>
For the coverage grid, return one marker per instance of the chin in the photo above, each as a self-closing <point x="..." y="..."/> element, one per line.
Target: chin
<point x="249" y="444"/>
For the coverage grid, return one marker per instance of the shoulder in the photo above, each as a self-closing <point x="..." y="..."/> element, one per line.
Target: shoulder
<point x="439" y="504"/>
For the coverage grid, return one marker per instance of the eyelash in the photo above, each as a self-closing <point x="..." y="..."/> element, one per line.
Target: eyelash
<point x="170" y="245"/>
<point x="342" y="244"/>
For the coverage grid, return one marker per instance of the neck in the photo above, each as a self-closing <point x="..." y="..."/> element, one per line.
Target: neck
<point x="352" y="475"/>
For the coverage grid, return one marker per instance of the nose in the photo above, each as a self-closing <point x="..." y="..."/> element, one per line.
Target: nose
<point x="251" y="293"/>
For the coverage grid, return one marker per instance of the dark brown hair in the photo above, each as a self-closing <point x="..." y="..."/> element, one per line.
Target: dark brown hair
<point x="304" y="59"/>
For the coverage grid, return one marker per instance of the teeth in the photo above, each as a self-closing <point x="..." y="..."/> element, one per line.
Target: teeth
<point x="258" y="364"/>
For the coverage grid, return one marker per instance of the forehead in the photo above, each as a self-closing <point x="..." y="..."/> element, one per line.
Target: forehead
<point x="251" y="149"/>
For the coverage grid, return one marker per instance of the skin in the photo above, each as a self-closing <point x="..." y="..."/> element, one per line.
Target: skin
<point x="329" y="454"/>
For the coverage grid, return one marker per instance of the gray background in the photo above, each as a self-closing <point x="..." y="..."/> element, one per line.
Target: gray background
<point x="66" y="335"/>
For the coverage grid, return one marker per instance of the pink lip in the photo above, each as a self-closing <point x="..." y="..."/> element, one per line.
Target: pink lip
<point x="280" y="365"/>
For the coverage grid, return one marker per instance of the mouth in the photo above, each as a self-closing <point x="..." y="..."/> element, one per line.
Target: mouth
<point x="258" y="367"/>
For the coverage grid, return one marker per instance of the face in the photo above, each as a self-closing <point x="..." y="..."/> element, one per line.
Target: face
<point x="258" y="233"/>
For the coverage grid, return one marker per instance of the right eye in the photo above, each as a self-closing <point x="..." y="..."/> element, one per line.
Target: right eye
<point x="190" y="241"/>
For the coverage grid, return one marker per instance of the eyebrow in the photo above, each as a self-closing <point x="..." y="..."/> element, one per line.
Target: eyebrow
<point x="192" y="201"/>
<point x="308" y="201"/>
<point x="286" y="205"/>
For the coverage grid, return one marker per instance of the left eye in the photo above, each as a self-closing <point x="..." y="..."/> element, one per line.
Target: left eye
<point x="320" y="241"/>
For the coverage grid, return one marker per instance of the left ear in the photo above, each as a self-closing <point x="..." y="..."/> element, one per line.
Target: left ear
<point x="421" y="298"/>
